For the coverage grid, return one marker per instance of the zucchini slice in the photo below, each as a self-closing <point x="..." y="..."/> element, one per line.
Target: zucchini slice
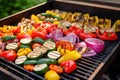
<point x="41" y="68"/>
<point x="26" y="41"/>
<point x="20" y="60"/>
<point x="38" y="40"/>
<point x="47" y="61"/>
<point x="12" y="46"/>
<point x="24" y="46"/>
<point x="10" y="37"/>
<point x="54" y="54"/>
<point x="30" y="62"/>
<point x="34" y="55"/>
<point x="50" y="45"/>
<point x="40" y="49"/>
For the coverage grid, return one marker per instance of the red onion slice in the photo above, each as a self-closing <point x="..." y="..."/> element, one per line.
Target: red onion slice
<point x="96" y="44"/>
<point x="84" y="50"/>
<point x="55" y="34"/>
<point x="2" y="46"/>
<point x="71" y="37"/>
<point x="89" y="53"/>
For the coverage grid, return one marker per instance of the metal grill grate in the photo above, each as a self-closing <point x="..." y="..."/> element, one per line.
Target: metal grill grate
<point x="86" y="66"/>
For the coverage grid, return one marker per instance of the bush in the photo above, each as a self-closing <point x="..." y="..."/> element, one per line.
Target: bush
<point x="9" y="7"/>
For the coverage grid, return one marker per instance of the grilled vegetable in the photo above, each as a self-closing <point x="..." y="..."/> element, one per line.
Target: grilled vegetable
<point x="116" y="26"/>
<point x="47" y="61"/>
<point x="56" y="68"/>
<point x="12" y="46"/>
<point x="36" y="45"/>
<point x="108" y="36"/>
<point x="30" y="62"/>
<point x="34" y="55"/>
<point x="38" y="40"/>
<point x="49" y="44"/>
<point x="23" y="35"/>
<point x="40" y="49"/>
<point x="29" y="67"/>
<point x="51" y="75"/>
<point x="24" y="46"/>
<point x="39" y="32"/>
<point x="73" y="55"/>
<point x="23" y="51"/>
<point x="46" y="15"/>
<point x="26" y="41"/>
<point x="83" y="35"/>
<point x="62" y="50"/>
<point x="20" y="60"/>
<point x="69" y="66"/>
<point x="65" y="44"/>
<point x="41" y="68"/>
<point x="9" y="37"/>
<point x="9" y="55"/>
<point x="54" y="54"/>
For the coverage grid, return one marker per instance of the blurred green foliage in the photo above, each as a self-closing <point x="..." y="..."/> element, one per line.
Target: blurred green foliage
<point x="8" y="7"/>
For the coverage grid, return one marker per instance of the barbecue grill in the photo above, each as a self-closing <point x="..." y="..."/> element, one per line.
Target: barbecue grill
<point x="90" y="68"/>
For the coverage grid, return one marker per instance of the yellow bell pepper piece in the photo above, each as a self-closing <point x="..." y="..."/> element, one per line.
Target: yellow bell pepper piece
<point x="62" y="51"/>
<point x="51" y="75"/>
<point x="56" y="22"/>
<point x="52" y="13"/>
<point x="73" y="55"/>
<point x="27" y="29"/>
<point x="116" y="26"/>
<point x="23" y="51"/>
<point x="35" y="18"/>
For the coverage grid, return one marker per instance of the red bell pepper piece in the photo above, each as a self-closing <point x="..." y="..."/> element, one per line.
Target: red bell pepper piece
<point x="84" y="35"/>
<point x="9" y="55"/>
<point x="51" y="28"/>
<point x="69" y="66"/>
<point x="71" y="29"/>
<point x="36" y="25"/>
<point x="39" y="32"/>
<point x="15" y="30"/>
<point x="23" y="35"/>
<point x="108" y="36"/>
<point x="65" y="44"/>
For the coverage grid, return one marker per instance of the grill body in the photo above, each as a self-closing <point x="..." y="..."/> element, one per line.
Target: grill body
<point x="90" y="68"/>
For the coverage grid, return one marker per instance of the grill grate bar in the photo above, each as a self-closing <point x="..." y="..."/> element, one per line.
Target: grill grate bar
<point x="80" y="76"/>
<point x="87" y="67"/>
<point x="89" y="71"/>
<point x="101" y="57"/>
<point x="97" y="58"/>
<point x="82" y="73"/>
<point x="92" y="62"/>
<point x="88" y="64"/>
<point x="102" y="54"/>
<point x="63" y="78"/>
<point x="69" y="76"/>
